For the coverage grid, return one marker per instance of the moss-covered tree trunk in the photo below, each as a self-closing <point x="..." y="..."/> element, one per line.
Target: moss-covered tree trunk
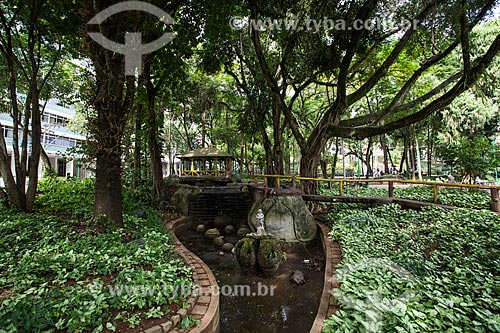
<point x="113" y="102"/>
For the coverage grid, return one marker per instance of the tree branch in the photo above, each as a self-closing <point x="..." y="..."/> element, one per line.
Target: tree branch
<point x="479" y="66"/>
<point x="384" y="68"/>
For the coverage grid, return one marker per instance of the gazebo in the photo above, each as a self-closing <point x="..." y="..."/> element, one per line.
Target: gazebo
<point x="206" y="163"/>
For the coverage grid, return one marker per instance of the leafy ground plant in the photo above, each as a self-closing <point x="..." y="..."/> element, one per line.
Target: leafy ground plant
<point x="59" y="275"/>
<point x="405" y="271"/>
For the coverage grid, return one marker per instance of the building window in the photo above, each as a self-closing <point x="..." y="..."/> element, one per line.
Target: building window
<point x="53" y="119"/>
<point x="60" y="141"/>
<point x="8" y="132"/>
<point x="61" y="168"/>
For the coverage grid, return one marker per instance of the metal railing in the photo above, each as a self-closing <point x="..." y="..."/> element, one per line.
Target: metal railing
<point x="494" y="202"/>
<point x="198" y="173"/>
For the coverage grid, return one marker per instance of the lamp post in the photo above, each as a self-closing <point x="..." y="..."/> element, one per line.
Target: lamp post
<point x="493" y="139"/>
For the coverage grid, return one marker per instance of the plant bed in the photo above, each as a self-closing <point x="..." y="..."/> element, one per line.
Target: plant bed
<point x="71" y="273"/>
<point x="434" y="270"/>
<point x="56" y="277"/>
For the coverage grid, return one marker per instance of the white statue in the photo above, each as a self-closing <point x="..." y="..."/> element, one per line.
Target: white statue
<point x="260" y="219"/>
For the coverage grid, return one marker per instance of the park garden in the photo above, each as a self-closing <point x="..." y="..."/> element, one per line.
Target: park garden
<point x="326" y="106"/>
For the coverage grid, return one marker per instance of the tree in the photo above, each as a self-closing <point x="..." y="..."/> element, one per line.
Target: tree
<point x="472" y="157"/>
<point x="33" y="40"/>
<point x="354" y="62"/>
<point x="113" y="99"/>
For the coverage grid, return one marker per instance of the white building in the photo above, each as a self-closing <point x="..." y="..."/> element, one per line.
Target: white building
<point x="56" y="139"/>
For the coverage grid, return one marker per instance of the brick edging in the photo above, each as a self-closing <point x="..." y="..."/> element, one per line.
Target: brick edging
<point x="203" y="305"/>
<point x="333" y="256"/>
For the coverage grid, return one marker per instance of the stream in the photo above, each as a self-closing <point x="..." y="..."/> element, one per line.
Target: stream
<point x="250" y="303"/>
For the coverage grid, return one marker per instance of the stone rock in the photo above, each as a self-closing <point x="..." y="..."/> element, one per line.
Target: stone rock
<point x="139" y="242"/>
<point x="298" y="278"/>
<point x="243" y="231"/>
<point x="269" y="256"/>
<point x="286" y="217"/>
<point x="201" y="228"/>
<point x="218" y="241"/>
<point x="220" y="222"/>
<point x="229" y="230"/>
<point x="242" y="224"/>
<point x="245" y="255"/>
<point x="172" y="180"/>
<point x="180" y="199"/>
<point x="212" y="233"/>
<point x="228" y="247"/>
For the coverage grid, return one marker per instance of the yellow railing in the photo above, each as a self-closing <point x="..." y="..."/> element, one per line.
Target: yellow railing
<point x="196" y="173"/>
<point x="495" y="202"/>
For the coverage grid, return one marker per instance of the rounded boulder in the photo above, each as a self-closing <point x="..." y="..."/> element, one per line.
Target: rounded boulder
<point x="212" y="233"/>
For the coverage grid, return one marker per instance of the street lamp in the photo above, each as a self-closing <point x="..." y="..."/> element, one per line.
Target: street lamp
<point x="493" y="139"/>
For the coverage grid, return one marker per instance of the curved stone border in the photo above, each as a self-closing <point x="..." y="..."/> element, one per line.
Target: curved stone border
<point x="204" y="304"/>
<point x="333" y="256"/>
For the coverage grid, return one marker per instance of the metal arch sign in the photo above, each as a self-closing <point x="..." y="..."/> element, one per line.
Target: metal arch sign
<point x="133" y="49"/>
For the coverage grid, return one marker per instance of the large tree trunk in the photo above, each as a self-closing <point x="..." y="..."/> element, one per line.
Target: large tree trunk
<point x="324" y="167"/>
<point x="36" y="133"/>
<point x="404" y="155"/>
<point x="137" y="173"/>
<point x="113" y="102"/>
<point x="369" y="153"/>
<point x="242" y="154"/>
<point x="335" y="157"/>
<point x="430" y="148"/>
<point x="383" y="144"/>
<point x="277" y="141"/>
<point x="419" y="163"/>
<point x="154" y="122"/>
<point x="309" y="168"/>
<point x="108" y="187"/>
<point x="155" y="151"/>
<point x="412" y="153"/>
<point x="310" y="155"/>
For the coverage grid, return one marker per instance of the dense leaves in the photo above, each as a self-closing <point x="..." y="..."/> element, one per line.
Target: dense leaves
<point x="66" y="275"/>
<point x="405" y="271"/>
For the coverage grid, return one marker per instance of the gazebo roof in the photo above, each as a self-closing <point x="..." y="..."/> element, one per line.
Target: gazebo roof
<point x="205" y="152"/>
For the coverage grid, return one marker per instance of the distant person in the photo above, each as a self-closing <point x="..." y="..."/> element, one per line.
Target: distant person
<point x="479" y="181"/>
<point x="451" y="179"/>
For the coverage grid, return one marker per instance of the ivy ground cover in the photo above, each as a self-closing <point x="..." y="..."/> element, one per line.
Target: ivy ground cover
<point x="406" y="271"/>
<point x="59" y="275"/>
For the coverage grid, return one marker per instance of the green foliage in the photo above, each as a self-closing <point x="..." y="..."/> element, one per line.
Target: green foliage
<point x="430" y="271"/>
<point x="75" y="197"/>
<point x="68" y="197"/>
<point x="471" y="156"/>
<point x="66" y="275"/>
<point x="62" y="275"/>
